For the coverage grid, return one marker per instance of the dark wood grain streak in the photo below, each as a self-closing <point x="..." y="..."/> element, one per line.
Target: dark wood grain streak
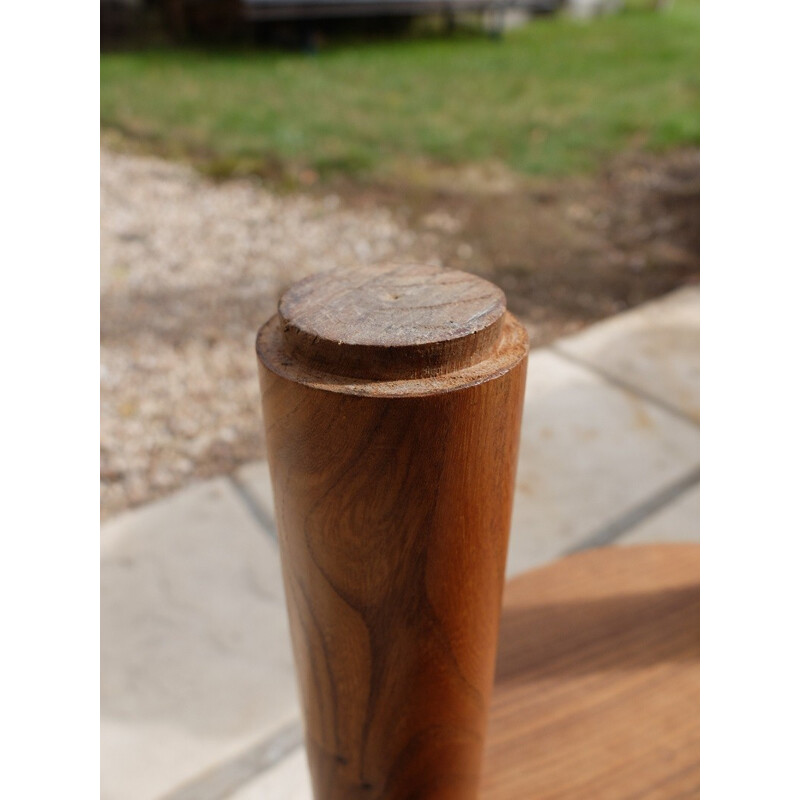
<point x="393" y="501"/>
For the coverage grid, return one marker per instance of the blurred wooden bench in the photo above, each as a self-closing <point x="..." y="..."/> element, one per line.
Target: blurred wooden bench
<point x="597" y="686"/>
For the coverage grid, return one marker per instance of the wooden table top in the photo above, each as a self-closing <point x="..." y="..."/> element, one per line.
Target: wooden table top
<point x="597" y="689"/>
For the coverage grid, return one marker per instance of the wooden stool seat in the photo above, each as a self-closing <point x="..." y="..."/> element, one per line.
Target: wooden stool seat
<point x="596" y="692"/>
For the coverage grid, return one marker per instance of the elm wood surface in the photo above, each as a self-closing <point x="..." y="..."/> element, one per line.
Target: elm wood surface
<point x="598" y="680"/>
<point x="392" y="402"/>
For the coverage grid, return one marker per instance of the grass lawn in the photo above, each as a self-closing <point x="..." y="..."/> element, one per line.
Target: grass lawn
<point x="555" y="97"/>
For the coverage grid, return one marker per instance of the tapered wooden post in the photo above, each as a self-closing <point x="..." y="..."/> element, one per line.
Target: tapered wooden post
<point x="392" y="400"/>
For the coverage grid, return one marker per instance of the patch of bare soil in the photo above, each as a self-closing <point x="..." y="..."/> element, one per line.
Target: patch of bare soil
<point x="567" y="252"/>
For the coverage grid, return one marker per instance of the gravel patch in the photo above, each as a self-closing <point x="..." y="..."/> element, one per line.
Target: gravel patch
<point x="189" y="270"/>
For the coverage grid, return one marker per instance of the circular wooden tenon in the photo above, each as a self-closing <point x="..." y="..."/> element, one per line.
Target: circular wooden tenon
<point x="392" y="321"/>
<point x="597" y="685"/>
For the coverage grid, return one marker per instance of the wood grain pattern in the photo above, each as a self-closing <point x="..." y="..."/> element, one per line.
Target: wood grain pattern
<point x="392" y="321"/>
<point x="393" y="501"/>
<point x="598" y="680"/>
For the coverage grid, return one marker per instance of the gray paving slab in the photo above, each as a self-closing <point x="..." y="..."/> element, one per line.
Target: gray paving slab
<point x="677" y="522"/>
<point x="591" y="452"/>
<point x="288" y="780"/>
<point x="196" y="662"/>
<point x="654" y="348"/>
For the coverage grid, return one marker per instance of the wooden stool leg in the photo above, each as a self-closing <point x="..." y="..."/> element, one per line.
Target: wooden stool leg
<point x="392" y="401"/>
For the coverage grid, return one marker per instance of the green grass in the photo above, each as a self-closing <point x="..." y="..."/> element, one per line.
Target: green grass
<point x="554" y="97"/>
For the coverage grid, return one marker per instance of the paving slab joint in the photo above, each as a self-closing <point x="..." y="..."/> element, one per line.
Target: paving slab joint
<point x="620" y="526"/>
<point x="257" y="512"/>
<point x="221" y="781"/>
<point x="623" y="385"/>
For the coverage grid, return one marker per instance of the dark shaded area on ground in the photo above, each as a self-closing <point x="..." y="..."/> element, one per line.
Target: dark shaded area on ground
<point x="566" y="251"/>
<point x="309" y="25"/>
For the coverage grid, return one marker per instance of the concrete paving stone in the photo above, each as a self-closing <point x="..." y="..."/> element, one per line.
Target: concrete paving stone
<point x="287" y="780"/>
<point x="254" y="479"/>
<point x="195" y="654"/>
<point x="654" y="348"/>
<point x="590" y="452"/>
<point x="677" y="522"/>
